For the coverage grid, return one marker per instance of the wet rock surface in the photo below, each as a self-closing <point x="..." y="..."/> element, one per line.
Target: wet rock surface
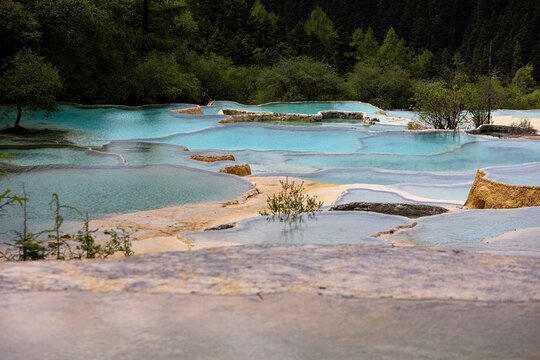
<point x="190" y="111"/>
<point x="221" y="227"/>
<point x="488" y="194"/>
<point x="402" y="209"/>
<point x="213" y="158"/>
<point x="259" y="116"/>
<point x="503" y="129"/>
<point x="238" y="170"/>
<point x="85" y="325"/>
<point x="348" y="270"/>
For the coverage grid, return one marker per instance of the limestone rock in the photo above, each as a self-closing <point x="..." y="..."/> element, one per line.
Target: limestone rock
<point x="402" y="209"/>
<point x="238" y="170"/>
<point x="504" y="129"/>
<point x="236" y="115"/>
<point x="489" y="194"/>
<point x="213" y="158"/>
<point x="221" y="227"/>
<point x="415" y="125"/>
<point x="190" y="111"/>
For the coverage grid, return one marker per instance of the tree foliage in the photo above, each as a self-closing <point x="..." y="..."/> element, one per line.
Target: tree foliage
<point x="147" y="51"/>
<point x="30" y="82"/>
<point x="300" y="79"/>
<point x="442" y="106"/>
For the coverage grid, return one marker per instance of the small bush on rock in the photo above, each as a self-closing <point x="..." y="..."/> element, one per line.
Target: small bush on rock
<point x="291" y="202"/>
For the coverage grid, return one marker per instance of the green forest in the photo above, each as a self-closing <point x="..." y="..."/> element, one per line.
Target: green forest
<point x="161" y="51"/>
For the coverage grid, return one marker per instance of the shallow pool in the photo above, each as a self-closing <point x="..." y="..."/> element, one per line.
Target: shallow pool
<point x="325" y="228"/>
<point x="105" y="190"/>
<point x="128" y="159"/>
<point x="468" y="226"/>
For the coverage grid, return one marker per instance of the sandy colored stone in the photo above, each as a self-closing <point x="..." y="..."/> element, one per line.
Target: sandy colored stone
<point x="158" y="230"/>
<point x="238" y="170"/>
<point x="190" y="111"/>
<point x="213" y="158"/>
<point x="349" y="270"/>
<point x="235" y="115"/>
<point x="489" y="194"/>
<point x="509" y="120"/>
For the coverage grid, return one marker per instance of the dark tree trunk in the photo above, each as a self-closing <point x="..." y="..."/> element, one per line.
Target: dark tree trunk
<point x="19" y="115"/>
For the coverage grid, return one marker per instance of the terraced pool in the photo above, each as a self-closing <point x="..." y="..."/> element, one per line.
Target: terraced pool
<point x="116" y="160"/>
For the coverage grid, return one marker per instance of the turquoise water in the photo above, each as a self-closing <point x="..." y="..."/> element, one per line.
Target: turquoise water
<point x="325" y="228"/>
<point x="264" y="137"/>
<point x="453" y="192"/>
<point x="59" y="155"/>
<point x="367" y="195"/>
<point x="420" y="144"/>
<point x="523" y="174"/>
<point x="435" y="165"/>
<point x="105" y="190"/>
<point x="91" y="126"/>
<point x="468" y="226"/>
<point x="349" y="167"/>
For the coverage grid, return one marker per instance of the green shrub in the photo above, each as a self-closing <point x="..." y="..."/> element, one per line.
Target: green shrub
<point x="291" y="201"/>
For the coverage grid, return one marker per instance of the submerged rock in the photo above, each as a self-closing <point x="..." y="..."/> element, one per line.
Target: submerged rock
<point x="490" y="194"/>
<point x="221" y="227"/>
<point x="213" y="158"/>
<point x="236" y="115"/>
<point x="190" y="111"/>
<point x="504" y="129"/>
<point x="402" y="209"/>
<point x="415" y="125"/>
<point x="238" y="170"/>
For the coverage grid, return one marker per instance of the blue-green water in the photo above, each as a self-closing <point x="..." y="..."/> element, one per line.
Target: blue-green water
<point x="325" y="228"/>
<point x="105" y="190"/>
<point x="135" y="159"/>
<point x="367" y="195"/>
<point x="522" y="174"/>
<point x="468" y="226"/>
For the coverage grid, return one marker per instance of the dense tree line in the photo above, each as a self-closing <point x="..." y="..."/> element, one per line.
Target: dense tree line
<point x="155" y="51"/>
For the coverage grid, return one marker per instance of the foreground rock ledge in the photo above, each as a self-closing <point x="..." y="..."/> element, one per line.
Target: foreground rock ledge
<point x="349" y="270"/>
<point x="489" y="194"/>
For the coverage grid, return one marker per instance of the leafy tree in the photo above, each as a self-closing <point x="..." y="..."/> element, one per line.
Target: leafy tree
<point x="441" y="106"/>
<point x="523" y="80"/>
<point x="300" y="79"/>
<point x="259" y="12"/>
<point x="158" y="78"/>
<point x="394" y="50"/>
<point x="364" y="44"/>
<point x="423" y="65"/>
<point x="388" y="87"/>
<point x="18" y="26"/>
<point x="30" y="82"/>
<point x="481" y="98"/>
<point x="84" y="43"/>
<point x="320" y="25"/>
